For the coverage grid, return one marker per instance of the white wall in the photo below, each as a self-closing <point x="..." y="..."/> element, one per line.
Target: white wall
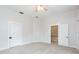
<point x="38" y="30"/>
<point x="69" y="18"/>
<point x="77" y="27"/>
<point x="3" y="30"/>
<point x="31" y="27"/>
<point x="27" y="30"/>
<point x="35" y="30"/>
<point x="6" y="15"/>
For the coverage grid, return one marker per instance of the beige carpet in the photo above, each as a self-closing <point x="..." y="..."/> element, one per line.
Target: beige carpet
<point x="40" y="48"/>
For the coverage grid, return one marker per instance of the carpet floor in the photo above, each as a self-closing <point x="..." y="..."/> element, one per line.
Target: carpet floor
<point x="40" y="48"/>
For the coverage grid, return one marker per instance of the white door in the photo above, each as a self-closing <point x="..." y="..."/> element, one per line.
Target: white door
<point x="63" y="34"/>
<point x="14" y="33"/>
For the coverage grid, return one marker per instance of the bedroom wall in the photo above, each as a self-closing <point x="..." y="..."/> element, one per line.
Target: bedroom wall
<point x="6" y="15"/>
<point x="27" y="30"/>
<point x="3" y="30"/>
<point x="77" y="26"/>
<point x="31" y="27"/>
<point x="69" y="18"/>
<point x="36" y="30"/>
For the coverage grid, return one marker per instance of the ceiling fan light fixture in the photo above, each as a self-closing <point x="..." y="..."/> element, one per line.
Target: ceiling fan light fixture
<point x="39" y="8"/>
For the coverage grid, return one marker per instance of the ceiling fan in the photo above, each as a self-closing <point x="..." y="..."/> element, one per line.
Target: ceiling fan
<point x="40" y="8"/>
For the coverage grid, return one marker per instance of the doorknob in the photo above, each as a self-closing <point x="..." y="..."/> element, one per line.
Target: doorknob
<point x="10" y="37"/>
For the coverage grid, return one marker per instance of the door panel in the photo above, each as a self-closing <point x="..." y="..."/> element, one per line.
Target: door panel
<point x="63" y="34"/>
<point x="14" y="33"/>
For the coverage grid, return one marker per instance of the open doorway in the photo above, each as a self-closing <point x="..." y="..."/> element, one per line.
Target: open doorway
<point x="54" y="34"/>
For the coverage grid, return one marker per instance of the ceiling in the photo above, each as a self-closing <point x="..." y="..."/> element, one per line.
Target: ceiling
<point x="28" y="10"/>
